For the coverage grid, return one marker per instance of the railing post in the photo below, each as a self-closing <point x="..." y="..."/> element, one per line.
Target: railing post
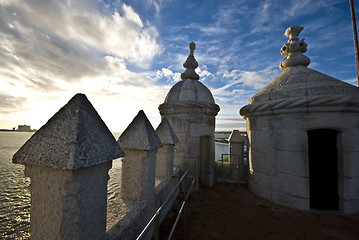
<point x="68" y="160"/>
<point x="157" y="229"/>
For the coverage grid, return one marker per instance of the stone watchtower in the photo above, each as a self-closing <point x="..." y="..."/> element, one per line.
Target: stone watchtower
<point x="303" y="134"/>
<point x="190" y="108"/>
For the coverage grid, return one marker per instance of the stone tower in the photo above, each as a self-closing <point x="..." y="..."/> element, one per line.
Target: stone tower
<point x="303" y="134"/>
<point x="190" y="108"/>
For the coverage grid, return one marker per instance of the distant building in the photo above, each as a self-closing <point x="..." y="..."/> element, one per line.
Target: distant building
<point x="24" y="128"/>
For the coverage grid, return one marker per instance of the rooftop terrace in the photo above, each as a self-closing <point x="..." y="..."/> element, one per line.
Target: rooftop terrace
<point x="227" y="212"/>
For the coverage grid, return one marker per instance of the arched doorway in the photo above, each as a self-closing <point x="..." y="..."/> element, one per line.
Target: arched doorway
<point x="323" y="169"/>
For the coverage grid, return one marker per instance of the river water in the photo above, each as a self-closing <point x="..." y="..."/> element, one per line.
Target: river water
<point x="14" y="193"/>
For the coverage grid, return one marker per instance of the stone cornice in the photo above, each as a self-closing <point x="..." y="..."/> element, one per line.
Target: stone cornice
<point x="189" y="107"/>
<point x="315" y="104"/>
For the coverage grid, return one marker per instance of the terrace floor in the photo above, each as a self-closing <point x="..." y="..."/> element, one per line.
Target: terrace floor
<point x="226" y="211"/>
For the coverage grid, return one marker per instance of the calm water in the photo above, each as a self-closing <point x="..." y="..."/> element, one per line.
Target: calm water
<point x="14" y="193"/>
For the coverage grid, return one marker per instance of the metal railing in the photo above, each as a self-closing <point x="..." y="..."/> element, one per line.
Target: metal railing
<point x="155" y="220"/>
<point x="222" y="159"/>
<point x="180" y="212"/>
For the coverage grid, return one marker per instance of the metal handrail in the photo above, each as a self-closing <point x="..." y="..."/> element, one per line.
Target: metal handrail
<point x="181" y="210"/>
<point x="160" y="209"/>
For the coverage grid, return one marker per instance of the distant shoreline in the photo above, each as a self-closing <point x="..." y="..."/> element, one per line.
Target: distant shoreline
<point x="10" y="130"/>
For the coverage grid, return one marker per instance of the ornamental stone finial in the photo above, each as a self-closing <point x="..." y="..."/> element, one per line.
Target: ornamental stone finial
<point x="190" y="64"/>
<point x="293" y="50"/>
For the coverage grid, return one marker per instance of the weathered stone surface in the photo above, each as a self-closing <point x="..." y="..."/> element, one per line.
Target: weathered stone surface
<point x="290" y="201"/>
<point x="259" y="189"/>
<point x="262" y="180"/>
<point x="299" y="88"/>
<point x="236" y="152"/>
<point x="74" y="137"/>
<point x="264" y="141"/>
<point x="294" y="49"/>
<point x="164" y="161"/>
<point x="293" y="163"/>
<point x="166" y="133"/>
<point x="350" y="189"/>
<point x="350" y="138"/>
<point x="291" y="185"/>
<point x="68" y="204"/>
<point x="263" y="162"/>
<point x="236" y="136"/>
<point x="138" y="175"/>
<point x="190" y="64"/>
<point x="198" y="129"/>
<point x="294" y="140"/>
<point x="351" y="207"/>
<point x="140" y="135"/>
<point x="189" y="90"/>
<point x="351" y="165"/>
<point x="322" y="119"/>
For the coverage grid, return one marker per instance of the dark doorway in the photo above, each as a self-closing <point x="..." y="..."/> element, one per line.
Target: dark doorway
<point x="323" y="169"/>
<point x="204" y="159"/>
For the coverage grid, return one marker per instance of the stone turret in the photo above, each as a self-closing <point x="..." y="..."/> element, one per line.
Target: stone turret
<point x="190" y="109"/>
<point x="303" y="134"/>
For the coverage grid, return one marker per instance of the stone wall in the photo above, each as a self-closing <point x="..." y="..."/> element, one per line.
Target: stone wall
<point x="278" y="167"/>
<point x="68" y="160"/>
<point x="189" y="129"/>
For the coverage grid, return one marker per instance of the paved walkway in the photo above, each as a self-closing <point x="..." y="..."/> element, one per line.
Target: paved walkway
<point x="227" y="212"/>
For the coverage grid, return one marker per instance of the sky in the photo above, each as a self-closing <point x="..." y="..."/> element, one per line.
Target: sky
<point x="125" y="55"/>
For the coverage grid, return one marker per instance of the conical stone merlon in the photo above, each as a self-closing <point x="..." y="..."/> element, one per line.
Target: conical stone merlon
<point x="74" y="137"/>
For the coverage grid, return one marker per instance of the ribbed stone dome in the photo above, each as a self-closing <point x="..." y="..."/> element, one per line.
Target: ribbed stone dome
<point x="302" y="87"/>
<point x="302" y="82"/>
<point x="189" y="90"/>
<point x="189" y="95"/>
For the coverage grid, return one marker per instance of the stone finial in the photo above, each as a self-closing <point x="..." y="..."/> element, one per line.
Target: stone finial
<point x="293" y="50"/>
<point x="190" y="64"/>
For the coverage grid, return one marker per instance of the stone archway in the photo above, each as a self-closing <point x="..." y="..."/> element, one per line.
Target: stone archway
<point x="323" y="169"/>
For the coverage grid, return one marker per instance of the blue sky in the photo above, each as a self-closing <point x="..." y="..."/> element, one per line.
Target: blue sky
<point x="126" y="55"/>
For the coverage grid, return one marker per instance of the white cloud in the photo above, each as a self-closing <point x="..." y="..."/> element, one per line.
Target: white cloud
<point x="52" y="50"/>
<point x="121" y="34"/>
<point x="254" y="80"/>
<point x="116" y="93"/>
<point x="171" y="77"/>
<point x="203" y="72"/>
